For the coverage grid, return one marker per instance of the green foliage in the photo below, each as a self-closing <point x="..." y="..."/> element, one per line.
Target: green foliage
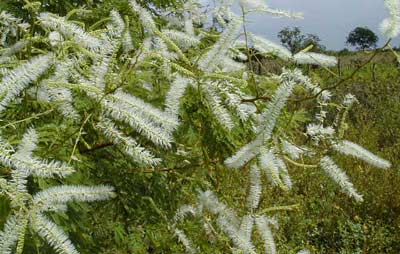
<point x="313" y="215"/>
<point x="295" y="40"/>
<point x="362" y="38"/>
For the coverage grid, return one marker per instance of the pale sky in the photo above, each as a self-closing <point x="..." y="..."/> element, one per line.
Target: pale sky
<point x="331" y="20"/>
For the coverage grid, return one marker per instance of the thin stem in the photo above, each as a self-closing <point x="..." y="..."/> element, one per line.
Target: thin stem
<point x="35" y="116"/>
<point x="79" y="136"/>
<point x="248" y="49"/>
<point x="299" y="164"/>
<point x="281" y="208"/>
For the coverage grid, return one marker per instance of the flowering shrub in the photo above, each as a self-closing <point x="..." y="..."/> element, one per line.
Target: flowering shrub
<point x="94" y="78"/>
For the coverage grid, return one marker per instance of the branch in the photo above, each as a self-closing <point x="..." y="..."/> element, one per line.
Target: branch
<point x="96" y="147"/>
<point x="281" y="208"/>
<point x="299" y="164"/>
<point x="263" y="98"/>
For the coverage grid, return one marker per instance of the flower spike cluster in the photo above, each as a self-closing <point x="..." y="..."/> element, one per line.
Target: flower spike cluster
<point x="104" y="67"/>
<point x="29" y="209"/>
<point x="391" y="26"/>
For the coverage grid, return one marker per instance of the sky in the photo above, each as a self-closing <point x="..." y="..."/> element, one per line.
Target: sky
<point x="331" y="20"/>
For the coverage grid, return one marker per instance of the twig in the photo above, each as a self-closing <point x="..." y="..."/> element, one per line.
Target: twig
<point x="79" y="136"/>
<point x="35" y="116"/>
<point x="281" y="208"/>
<point x="96" y="147"/>
<point x="299" y="164"/>
<point x="263" y="98"/>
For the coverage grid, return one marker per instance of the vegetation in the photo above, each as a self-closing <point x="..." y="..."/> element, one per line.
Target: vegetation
<point x="294" y="40"/>
<point x="362" y="38"/>
<point x="185" y="138"/>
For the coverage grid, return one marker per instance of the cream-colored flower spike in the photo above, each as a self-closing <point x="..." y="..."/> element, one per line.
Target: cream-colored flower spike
<point x="28" y="209"/>
<point x="391" y="25"/>
<point x="20" y="77"/>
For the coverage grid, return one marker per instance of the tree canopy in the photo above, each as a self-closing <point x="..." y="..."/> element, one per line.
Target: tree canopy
<point x="295" y="40"/>
<point x="362" y="38"/>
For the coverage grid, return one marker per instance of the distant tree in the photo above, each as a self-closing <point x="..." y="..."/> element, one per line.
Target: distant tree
<point x="313" y="39"/>
<point x="362" y="38"/>
<point x="291" y="38"/>
<point x="344" y="51"/>
<point x="295" y="40"/>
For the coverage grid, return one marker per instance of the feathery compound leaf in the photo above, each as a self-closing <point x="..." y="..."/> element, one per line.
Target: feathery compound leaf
<point x="131" y="147"/>
<point x="69" y="30"/>
<point x="66" y="193"/>
<point x="20" y="77"/>
<point x="349" y="148"/>
<point x="339" y="177"/>
<point x="53" y="234"/>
